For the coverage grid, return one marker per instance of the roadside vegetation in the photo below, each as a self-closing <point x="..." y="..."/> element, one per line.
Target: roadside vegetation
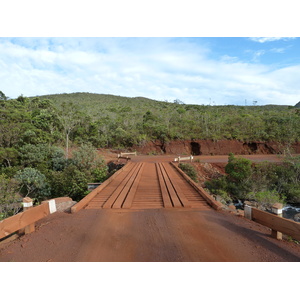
<point x="189" y="170"/>
<point x="263" y="183"/>
<point x="36" y="135"/>
<point x="43" y="172"/>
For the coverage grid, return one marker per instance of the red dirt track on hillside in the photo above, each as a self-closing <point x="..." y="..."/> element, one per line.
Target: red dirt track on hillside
<point x="145" y="229"/>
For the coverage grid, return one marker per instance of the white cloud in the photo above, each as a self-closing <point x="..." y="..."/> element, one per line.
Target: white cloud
<point x="162" y="69"/>
<point x="257" y="55"/>
<point x="278" y="50"/>
<point x="269" y="39"/>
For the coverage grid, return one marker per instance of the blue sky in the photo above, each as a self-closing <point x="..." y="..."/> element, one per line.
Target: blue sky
<point x="201" y="70"/>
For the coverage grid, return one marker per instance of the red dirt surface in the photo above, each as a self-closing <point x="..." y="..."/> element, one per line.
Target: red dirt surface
<point x="205" y="158"/>
<point x="150" y="235"/>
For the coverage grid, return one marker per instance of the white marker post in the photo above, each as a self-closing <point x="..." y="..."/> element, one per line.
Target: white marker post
<point x="27" y="204"/>
<point x="277" y="210"/>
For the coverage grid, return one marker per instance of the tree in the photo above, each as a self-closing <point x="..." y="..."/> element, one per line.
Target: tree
<point x="68" y="116"/>
<point x="177" y="101"/>
<point x="58" y="160"/>
<point x="2" y="96"/>
<point x="34" y="155"/>
<point x="32" y="183"/>
<point x="86" y="158"/>
<point x="8" y="156"/>
<point x="10" y="201"/>
<point x="239" y="169"/>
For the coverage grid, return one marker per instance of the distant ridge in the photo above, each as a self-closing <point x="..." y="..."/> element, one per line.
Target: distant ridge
<point x="298" y="104"/>
<point x="92" y="97"/>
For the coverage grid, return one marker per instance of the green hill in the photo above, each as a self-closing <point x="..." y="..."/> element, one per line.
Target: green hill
<point x="92" y="103"/>
<point x="116" y="121"/>
<point x="109" y="120"/>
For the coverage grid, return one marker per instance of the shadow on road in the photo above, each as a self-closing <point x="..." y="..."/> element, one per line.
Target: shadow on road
<point x="262" y="240"/>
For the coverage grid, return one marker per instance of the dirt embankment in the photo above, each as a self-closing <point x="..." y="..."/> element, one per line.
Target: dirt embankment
<point x="210" y="147"/>
<point x="208" y="171"/>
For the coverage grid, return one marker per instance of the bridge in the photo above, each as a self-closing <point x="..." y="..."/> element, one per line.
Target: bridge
<point x="147" y="211"/>
<point x="145" y="185"/>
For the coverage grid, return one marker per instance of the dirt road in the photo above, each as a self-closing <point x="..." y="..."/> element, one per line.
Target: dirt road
<point x="117" y="235"/>
<point x="205" y="158"/>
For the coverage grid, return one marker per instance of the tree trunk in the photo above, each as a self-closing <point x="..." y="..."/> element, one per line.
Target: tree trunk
<point x="67" y="145"/>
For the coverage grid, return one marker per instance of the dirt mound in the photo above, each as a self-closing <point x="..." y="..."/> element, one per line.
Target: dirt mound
<point x="208" y="171"/>
<point x="210" y="147"/>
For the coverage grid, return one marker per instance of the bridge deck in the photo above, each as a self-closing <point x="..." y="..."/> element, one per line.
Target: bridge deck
<point x="148" y="185"/>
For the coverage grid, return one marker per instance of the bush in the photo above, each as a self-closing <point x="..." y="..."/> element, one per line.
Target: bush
<point x="217" y="185"/>
<point x="239" y="169"/>
<point x="10" y="201"/>
<point x="34" y="156"/>
<point x="267" y="198"/>
<point x="292" y="192"/>
<point x="70" y="182"/>
<point x="189" y="170"/>
<point x="99" y="174"/>
<point x="32" y="183"/>
<point x="58" y="160"/>
<point x="86" y="159"/>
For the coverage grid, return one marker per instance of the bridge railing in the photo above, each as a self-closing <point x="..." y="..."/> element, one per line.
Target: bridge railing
<point x="274" y="221"/>
<point x="179" y="159"/>
<point x="208" y="198"/>
<point x="124" y="154"/>
<point x="25" y="221"/>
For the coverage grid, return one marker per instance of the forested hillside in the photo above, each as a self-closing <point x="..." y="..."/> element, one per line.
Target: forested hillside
<point x="37" y="133"/>
<point x="115" y="121"/>
<point x="120" y="122"/>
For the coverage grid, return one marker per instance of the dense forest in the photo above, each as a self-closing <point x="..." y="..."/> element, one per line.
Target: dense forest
<point x="37" y="133"/>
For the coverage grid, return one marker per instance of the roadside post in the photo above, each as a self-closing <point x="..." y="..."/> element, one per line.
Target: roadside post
<point x="28" y="204"/>
<point x="277" y="210"/>
<point x="248" y="212"/>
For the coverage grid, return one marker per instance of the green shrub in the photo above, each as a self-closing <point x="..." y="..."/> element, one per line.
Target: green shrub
<point x="70" y="182"/>
<point x="239" y="169"/>
<point x="189" y="170"/>
<point x="33" y="183"/>
<point x="267" y="198"/>
<point x="292" y="192"/>
<point x="216" y="185"/>
<point x="10" y="201"/>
